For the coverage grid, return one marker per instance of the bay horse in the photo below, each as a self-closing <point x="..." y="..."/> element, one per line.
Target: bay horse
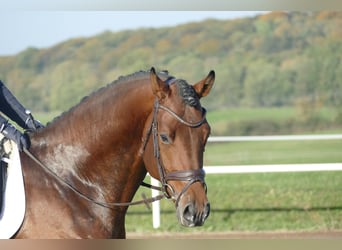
<point x="83" y="169"/>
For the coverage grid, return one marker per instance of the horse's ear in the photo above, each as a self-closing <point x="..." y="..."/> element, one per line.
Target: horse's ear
<point x="203" y="87"/>
<point x="159" y="87"/>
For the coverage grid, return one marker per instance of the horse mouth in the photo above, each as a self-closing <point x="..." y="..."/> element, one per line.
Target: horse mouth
<point x="191" y="216"/>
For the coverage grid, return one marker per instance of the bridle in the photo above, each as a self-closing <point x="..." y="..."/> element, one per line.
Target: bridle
<point x="192" y="175"/>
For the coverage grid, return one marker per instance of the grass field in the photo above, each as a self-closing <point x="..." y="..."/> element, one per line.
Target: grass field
<point x="276" y="113"/>
<point x="258" y="202"/>
<point x="281" y="120"/>
<point x="276" y="152"/>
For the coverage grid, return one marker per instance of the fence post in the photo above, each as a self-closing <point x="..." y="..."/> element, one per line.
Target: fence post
<point x="155" y="205"/>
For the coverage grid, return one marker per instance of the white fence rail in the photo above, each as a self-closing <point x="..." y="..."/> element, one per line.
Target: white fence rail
<point x="257" y="168"/>
<point x="274" y="138"/>
<point x="275" y="168"/>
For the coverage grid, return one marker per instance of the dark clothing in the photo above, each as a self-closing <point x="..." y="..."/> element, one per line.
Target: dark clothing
<point x="11" y="108"/>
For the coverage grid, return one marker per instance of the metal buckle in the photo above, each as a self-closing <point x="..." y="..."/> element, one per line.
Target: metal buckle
<point x="167" y="195"/>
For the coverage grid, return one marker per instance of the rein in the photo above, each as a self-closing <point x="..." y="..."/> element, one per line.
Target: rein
<point x="191" y="176"/>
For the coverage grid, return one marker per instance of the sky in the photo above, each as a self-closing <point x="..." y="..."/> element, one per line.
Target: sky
<point x="43" y="29"/>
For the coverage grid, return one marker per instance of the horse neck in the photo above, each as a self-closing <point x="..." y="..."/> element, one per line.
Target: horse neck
<point x="92" y="143"/>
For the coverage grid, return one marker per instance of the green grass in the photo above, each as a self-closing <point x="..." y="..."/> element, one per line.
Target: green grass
<point x="276" y="113"/>
<point x="220" y="119"/>
<point x="258" y="202"/>
<point x="281" y="120"/>
<point x="238" y="114"/>
<point x="277" y="152"/>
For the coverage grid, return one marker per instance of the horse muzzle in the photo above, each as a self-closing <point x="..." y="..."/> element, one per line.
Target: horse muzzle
<point x="191" y="202"/>
<point x="192" y="214"/>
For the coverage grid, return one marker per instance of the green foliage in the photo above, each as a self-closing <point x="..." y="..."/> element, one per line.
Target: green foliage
<point x="276" y="59"/>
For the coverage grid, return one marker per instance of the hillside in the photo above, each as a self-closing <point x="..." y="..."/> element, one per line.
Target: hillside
<point x="272" y="60"/>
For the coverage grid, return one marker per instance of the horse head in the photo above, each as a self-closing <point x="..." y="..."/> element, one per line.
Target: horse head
<point x="79" y="184"/>
<point x="174" y="155"/>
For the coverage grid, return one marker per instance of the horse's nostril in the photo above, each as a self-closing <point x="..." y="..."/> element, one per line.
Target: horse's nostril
<point x="189" y="213"/>
<point x="194" y="217"/>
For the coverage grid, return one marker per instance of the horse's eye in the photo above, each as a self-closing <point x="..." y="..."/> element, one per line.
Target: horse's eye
<point x="165" y="139"/>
